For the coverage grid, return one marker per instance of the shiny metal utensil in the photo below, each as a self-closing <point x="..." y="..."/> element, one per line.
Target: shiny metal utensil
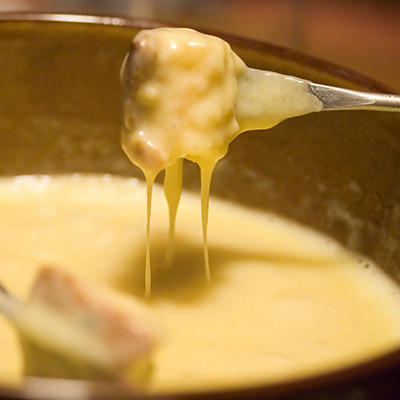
<point x="334" y="98"/>
<point x="267" y="98"/>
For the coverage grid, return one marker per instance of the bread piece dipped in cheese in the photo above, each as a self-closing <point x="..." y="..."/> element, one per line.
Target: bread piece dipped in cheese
<point x="71" y="329"/>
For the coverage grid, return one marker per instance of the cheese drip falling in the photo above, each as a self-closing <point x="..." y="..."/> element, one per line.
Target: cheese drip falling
<point x="188" y="95"/>
<point x="179" y="91"/>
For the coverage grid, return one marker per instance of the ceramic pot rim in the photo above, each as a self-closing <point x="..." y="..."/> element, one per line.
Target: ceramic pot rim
<point x="333" y="382"/>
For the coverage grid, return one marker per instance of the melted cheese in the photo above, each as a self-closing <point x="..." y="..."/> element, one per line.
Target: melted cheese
<point x="285" y="302"/>
<point x="180" y="91"/>
<point x="188" y="95"/>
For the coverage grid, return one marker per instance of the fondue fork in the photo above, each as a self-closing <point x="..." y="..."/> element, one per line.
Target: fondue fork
<point x="334" y="98"/>
<point x="266" y="98"/>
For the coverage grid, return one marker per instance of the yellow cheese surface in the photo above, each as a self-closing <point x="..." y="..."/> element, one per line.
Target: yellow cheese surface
<point x="283" y="302"/>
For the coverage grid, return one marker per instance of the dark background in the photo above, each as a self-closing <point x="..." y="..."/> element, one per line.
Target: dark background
<point x="363" y="35"/>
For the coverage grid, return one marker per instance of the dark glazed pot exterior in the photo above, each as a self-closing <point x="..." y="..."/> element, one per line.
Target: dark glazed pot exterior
<point x="338" y="172"/>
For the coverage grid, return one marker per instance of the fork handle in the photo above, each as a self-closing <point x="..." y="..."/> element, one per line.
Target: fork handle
<point x="333" y="98"/>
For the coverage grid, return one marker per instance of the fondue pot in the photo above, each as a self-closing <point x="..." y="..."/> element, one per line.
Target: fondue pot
<point x="61" y="111"/>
